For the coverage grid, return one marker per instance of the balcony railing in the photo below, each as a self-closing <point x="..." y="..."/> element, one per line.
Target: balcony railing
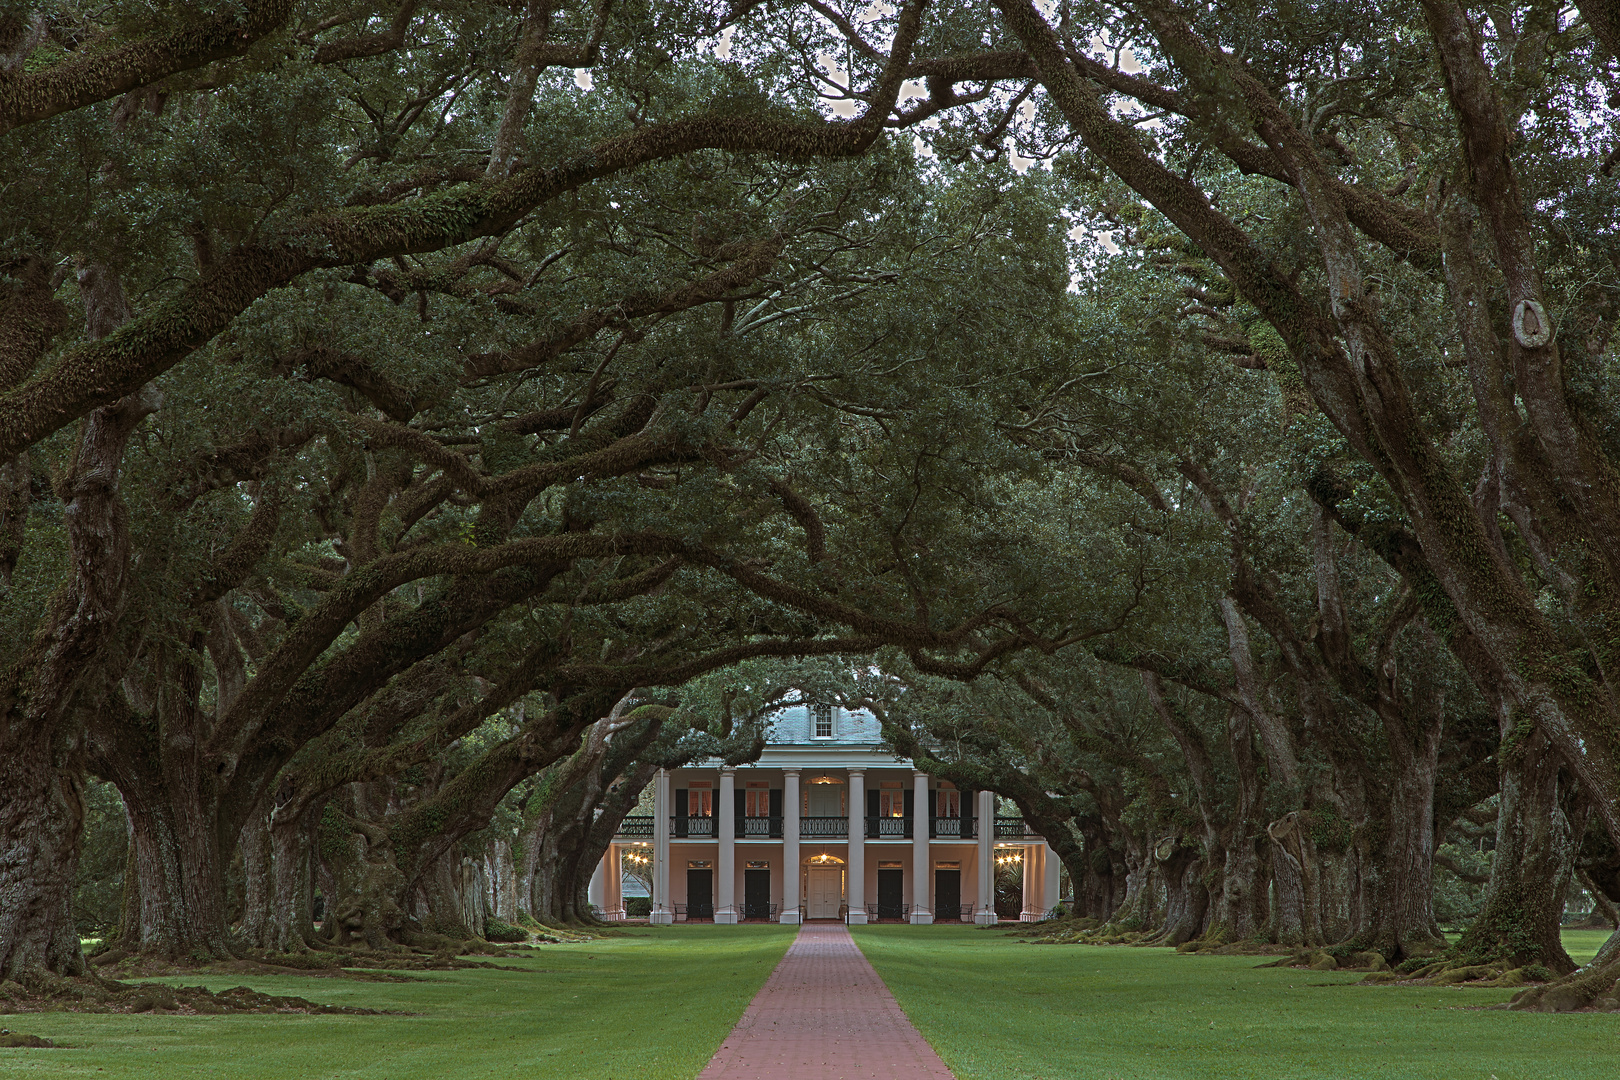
<point x="698" y="828"/>
<point x="824" y="828"/>
<point x="888" y="828"/>
<point x="759" y="828"/>
<point x="639" y="827"/>
<point x="1012" y="826"/>
<point x="828" y="828"/>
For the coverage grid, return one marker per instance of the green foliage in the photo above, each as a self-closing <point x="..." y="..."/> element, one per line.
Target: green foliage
<point x="1458" y="902"/>
<point x="99" y="891"/>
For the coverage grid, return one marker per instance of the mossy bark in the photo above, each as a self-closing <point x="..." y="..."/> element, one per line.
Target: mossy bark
<point x="1401" y="923"/>
<point x="40" y="820"/>
<point x="291" y="925"/>
<point x="1530" y="871"/>
<point x="1099" y="887"/>
<point x="1186" y="906"/>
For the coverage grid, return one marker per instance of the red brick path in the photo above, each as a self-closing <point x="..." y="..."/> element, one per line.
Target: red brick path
<point x="824" y="1015"/>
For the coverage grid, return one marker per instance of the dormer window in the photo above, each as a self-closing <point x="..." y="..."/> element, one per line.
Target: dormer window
<point x="823" y="717"/>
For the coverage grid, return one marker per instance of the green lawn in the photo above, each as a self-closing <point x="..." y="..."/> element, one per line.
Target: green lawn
<point x="658" y="1003"/>
<point x="996" y="1009"/>
<point x="647" y="1006"/>
<point x="1582" y="945"/>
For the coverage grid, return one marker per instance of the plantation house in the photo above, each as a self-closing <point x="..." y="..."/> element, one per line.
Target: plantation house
<point x="825" y="825"/>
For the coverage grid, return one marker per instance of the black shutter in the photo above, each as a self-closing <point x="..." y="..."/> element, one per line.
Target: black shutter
<point x="742" y="808"/>
<point x="872" y="803"/>
<point x="911" y="812"/>
<point x="967" y="815"/>
<point x="776" y="802"/>
<point x="679" y="810"/>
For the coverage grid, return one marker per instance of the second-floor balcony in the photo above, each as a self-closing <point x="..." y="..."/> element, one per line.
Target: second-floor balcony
<point x="888" y="828"/>
<point x="1013" y="828"/>
<point x="759" y="828"/>
<point x="636" y="827"/>
<point x="640" y="827"/>
<point x="824" y="828"/>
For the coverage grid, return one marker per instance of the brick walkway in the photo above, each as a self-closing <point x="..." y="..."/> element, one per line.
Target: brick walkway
<point x="824" y="1015"/>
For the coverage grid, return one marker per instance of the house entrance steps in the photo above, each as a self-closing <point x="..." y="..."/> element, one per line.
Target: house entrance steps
<point x="824" y="1015"/>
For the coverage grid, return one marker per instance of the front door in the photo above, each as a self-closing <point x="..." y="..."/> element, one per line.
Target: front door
<point x="700" y="894"/>
<point x="825" y="889"/>
<point x="756" y="894"/>
<point x="947" y="895"/>
<point x="891" y="893"/>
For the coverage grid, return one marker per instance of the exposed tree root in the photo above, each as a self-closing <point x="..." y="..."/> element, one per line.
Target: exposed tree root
<point x="11" y="1040"/>
<point x="427" y="952"/>
<point x="94" y="994"/>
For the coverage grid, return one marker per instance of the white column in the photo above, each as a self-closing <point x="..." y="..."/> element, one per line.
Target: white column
<point x="791" y="913"/>
<point x="615" y="883"/>
<point x="984" y="912"/>
<point x="857" y="848"/>
<point x="922" y="877"/>
<point x="594" y="892"/>
<point x="725" y="910"/>
<point x="1052" y="867"/>
<point x="1034" y="907"/>
<point x="663" y="913"/>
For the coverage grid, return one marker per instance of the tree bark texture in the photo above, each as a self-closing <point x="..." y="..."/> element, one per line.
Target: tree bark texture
<point x="1186" y="897"/>
<point x="1530" y="871"/>
<point x="41" y="741"/>
<point x="1402" y="922"/>
<point x="41" y="818"/>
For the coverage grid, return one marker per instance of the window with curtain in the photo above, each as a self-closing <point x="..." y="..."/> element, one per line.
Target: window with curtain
<point x="892" y="800"/>
<point x="757" y="801"/>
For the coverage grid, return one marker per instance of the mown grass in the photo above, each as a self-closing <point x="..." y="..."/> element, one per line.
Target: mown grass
<point x="652" y="1005"/>
<point x="997" y="1009"/>
<point x="658" y="1003"/>
<point x="1582" y="945"/>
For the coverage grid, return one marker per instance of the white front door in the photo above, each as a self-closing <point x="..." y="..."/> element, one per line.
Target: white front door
<point x="826" y="893"/>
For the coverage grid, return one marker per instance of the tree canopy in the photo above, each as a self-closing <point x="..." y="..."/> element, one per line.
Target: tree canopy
<point x="1191" y="422"/>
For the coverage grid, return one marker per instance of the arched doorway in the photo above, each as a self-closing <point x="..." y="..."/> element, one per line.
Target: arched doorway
<point x="823" y="886"/>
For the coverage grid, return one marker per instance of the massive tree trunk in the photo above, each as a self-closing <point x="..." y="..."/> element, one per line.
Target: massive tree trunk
<point x="366" y="904"/>
<point x="1099" y="886"/>
<point x="258" y="880"/>
<point x="176" y="834"/>
<point x="1402" y="923"/>
<point x="1186" y="898"/>
<point x="40" y="821"/>
<point x="41" y="741"/>
<point x="1295" y="916"/>
<point x="1530" y="871"/>
<point x="501" y="875"/>
<point x="1138" y="910"/>
<point x="1241" y="911"/>
<point x="291" y="926"/>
